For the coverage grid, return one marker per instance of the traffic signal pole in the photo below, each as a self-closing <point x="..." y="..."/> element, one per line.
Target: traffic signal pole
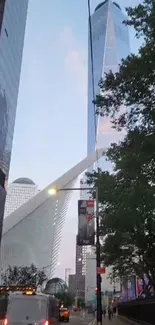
<point x="98" y="264"/>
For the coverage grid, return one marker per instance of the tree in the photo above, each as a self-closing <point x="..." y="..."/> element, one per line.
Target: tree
<point x="26" y="275"/>
<point x="127" y="203"/>
<point x="65" y="298"/>
<point x="127" y="208"/>
<point x="80" y="303"/>
<point x="133" y="84"/>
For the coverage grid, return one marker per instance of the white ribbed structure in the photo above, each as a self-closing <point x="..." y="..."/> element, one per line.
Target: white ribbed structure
<point x="32" y="233"/>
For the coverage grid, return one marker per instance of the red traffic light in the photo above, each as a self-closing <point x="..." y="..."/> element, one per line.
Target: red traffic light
<point x="96" y="291"/>
<point x="101" y="270"/>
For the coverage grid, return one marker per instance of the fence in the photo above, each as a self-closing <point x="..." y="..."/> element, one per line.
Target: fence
<point x="142" y="311"/>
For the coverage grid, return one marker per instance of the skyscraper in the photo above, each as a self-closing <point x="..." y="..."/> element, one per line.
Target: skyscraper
<point x="12" y="30"/>
<point x="110" y="43"/>
<point x="18" y="193"/>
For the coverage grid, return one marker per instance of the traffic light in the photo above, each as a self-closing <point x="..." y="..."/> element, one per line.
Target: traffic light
<point x="96" y="291"/>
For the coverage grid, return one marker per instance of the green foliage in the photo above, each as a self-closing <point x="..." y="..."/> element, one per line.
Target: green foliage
<point x="26" y="275"/>
<point x="80" y="303"/>
<point x="133" y="85"/>
<point x="127" y="195"/>
<point x="65" y="298"/>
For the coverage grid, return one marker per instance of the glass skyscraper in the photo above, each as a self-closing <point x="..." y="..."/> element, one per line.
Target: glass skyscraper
<point x="13" y="15"/>
<point x="110" y="42"/>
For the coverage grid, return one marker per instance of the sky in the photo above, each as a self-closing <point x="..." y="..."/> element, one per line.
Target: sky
<point x="51" y="123"/>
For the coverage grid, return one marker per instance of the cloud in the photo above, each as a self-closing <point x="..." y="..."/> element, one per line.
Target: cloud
<point x="74" y="62"/>
<point x="107" y="134"/>
<point x="66" y="37"/>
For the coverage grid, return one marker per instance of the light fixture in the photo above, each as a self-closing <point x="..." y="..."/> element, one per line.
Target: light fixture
<point x="52" y="191"/>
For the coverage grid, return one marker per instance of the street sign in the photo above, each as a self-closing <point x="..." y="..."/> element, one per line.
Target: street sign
<point x="101" y="270"/>
<point x="86" y="223"/>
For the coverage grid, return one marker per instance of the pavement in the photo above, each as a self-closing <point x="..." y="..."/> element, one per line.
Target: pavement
<point x="88" y="319"/>
<point x="81" y="319"/>
<point x="115" y="320"/>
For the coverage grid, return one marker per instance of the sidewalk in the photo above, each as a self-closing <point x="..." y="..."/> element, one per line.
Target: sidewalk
<point x="114" y="321"/>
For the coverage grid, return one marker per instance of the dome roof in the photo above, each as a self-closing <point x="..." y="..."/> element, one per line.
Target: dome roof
<point x="56" y="285"/>
<point x="56" y="280"/>
<point x="24" y="180"/>
<point x="103" y="3"/>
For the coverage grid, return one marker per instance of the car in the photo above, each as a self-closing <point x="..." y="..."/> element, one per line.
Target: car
<point x="64" y="315"/>
<point x="29" y="307"/>
<point x="75" y="309"/>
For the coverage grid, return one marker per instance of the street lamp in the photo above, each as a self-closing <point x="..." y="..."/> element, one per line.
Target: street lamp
<point x="54" y="191"/>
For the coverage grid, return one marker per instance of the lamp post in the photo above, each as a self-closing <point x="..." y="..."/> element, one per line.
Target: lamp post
<point x="54" y="191"/>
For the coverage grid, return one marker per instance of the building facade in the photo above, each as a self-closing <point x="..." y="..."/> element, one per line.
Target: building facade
<point x="110" y="43"/>
<point x="18" y="193"/>
<point x="90" y="280"/>
<point x="76" y="285"/>
<point x="12" y="30"/>
<point x="78" y="258"/>
<point x="76" y="281"/>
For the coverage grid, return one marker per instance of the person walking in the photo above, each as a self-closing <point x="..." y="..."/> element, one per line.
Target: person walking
<point x="110" y="314"/>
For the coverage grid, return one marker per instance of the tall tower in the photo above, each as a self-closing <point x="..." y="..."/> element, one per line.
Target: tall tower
<point x="12" y="30"/>
<point x="110" y="43"/>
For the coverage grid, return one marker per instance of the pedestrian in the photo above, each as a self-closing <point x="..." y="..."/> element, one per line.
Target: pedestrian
<point x="109" y="313"/>
<point x="114" y="310"/>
